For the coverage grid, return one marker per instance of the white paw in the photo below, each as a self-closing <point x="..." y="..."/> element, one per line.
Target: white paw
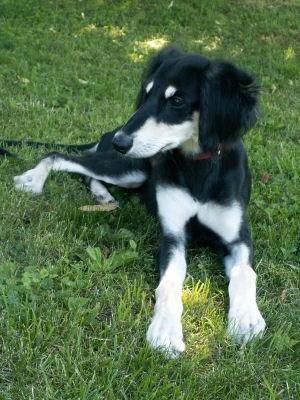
<point x="245" y="322"/>
<point x="31" y="181"/>
<point x="105" y="200"/>
<point x="165" y="333"/>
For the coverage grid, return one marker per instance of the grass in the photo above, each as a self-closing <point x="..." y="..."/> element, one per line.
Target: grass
<point x="77" y="288"/>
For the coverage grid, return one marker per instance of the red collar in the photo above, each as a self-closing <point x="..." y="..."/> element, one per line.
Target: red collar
<point x="209" y="154"/>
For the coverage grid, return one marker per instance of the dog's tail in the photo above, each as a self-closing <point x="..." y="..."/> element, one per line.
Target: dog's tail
<point x="86" y="148"/>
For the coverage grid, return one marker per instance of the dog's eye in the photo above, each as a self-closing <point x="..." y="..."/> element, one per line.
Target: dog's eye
<point x="176" y="101"/>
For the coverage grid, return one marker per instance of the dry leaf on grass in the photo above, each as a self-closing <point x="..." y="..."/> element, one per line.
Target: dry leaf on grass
<point x="99" y="207"/>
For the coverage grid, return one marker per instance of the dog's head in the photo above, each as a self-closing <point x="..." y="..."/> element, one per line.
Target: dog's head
<point x="188" y="102"/>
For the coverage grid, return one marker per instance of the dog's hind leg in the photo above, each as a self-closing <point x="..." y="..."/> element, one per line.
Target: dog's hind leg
<point x="108" y="167"/>
<point x="100" y="193"/>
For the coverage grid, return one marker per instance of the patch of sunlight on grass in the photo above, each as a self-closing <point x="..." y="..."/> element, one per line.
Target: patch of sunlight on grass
<point x="289" y="53"/>
<point x="209" y="44"/>
<point x="111" y="31"/>
<point x="142" y="48"/>
<point x="214" y="44"/>
<point x="196" y="294"/>
<point x="153" y="44"/>
<point x="89" y="28"/>
<point x="237" y="51"/>
<point x="195" y="299"/>
<point x="202" y="318"/>
<point x="114" y="32"/>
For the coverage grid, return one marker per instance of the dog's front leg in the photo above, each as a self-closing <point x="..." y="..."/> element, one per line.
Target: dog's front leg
<point x="165" y="330"/>
<point x="244" y="318"/>
<point x="175" y="208"/>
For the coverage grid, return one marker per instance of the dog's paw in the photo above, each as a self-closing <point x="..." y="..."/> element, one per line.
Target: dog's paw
<point x="244" y="323"/>
<point x="31" y="181"/>
<point x="165" y="333"/>
<point x="105" y="200"/>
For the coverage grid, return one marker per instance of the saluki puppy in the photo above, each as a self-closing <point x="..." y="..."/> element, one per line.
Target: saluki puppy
<point x="182" y="147"/>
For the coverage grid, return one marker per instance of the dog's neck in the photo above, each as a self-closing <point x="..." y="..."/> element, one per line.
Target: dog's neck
<point x="209" y="154"/>
<point x="191" y="147"/>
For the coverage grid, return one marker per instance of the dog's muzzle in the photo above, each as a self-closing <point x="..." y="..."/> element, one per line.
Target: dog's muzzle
<point x="122" y="142"/>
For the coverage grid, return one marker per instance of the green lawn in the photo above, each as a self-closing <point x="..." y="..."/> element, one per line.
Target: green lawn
<point x="77" y="288"/>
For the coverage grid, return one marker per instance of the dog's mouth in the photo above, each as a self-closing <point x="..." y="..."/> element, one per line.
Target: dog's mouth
<point x="148" y="151"/>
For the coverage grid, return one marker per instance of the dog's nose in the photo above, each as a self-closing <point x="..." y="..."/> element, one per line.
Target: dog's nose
<point x="122" y="142"/>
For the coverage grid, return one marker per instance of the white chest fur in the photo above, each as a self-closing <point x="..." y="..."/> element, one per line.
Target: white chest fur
<point x="176" y="206"/>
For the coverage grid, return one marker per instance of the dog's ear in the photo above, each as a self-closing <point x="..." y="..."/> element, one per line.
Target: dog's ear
<point x="228" y="105"/>
<point x="168" y="53"/>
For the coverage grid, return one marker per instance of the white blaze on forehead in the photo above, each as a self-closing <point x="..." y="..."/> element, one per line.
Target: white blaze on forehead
<point x="170" y="91"/>
<point x="149" y="86"/>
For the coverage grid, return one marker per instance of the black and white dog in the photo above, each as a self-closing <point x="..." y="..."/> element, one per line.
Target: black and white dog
<point x="182" y="147"/>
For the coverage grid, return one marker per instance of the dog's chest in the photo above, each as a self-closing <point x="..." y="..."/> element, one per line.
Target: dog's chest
<point x="176" y="207"/>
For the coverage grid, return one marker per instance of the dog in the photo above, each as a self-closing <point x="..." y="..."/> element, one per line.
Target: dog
<point x="183" y="149"/>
